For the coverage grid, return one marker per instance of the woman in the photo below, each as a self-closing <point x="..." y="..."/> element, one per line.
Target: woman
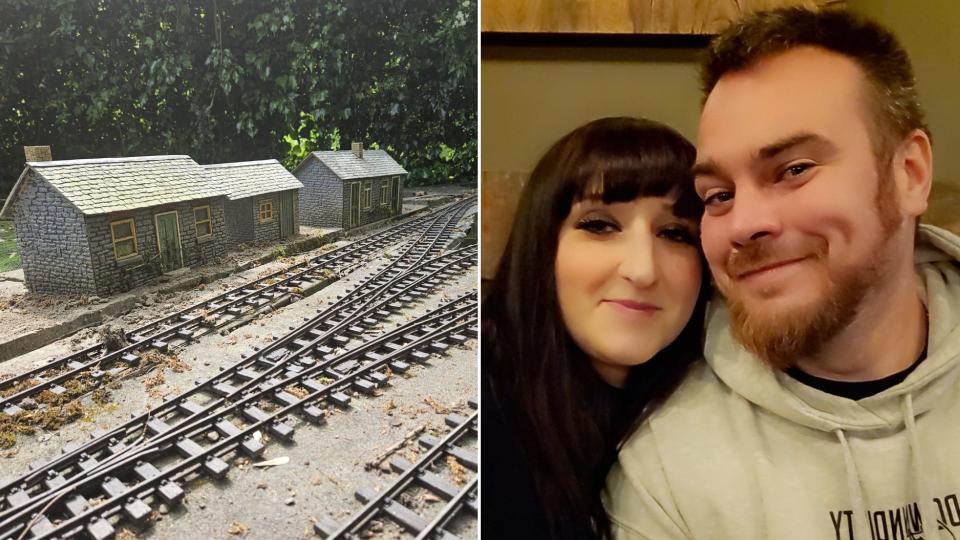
<point x="592" y="319"/>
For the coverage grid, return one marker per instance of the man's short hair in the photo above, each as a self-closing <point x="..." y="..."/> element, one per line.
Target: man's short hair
<point x="896" y="108"/>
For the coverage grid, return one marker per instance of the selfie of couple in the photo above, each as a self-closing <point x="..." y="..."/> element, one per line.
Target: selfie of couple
<point x="752" y="337"/>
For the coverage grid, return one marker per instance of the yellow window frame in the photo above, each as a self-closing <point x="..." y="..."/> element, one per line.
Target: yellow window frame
<point x="367" y="188"/>
<point x="133" y="236"/>
<point x="384" y="193"/>
<point x="208" y="221"/>
<point x="265" y="210"/>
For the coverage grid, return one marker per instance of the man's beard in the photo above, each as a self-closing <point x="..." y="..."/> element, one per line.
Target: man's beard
<point x="779" y="339"/>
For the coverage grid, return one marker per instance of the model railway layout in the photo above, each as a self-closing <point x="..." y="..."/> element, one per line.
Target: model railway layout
<point x="351" y="347"/>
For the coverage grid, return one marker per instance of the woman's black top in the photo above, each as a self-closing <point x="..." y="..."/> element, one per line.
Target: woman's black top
<point x="510" y="507"/>
<point x="508" y="500"/>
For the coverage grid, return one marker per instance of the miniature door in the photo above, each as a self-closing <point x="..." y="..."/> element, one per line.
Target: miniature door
<point x="354" y="204"/>
<point x="286" y="214"/>
<point x="395" y="195"/>
<point x="168" y="241"/>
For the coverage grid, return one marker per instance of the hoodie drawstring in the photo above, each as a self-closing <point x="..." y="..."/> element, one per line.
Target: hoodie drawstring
<point x="860" y="527"/>
<point x="928" y="513"/>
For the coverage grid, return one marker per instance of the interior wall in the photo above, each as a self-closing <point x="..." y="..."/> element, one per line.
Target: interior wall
<point x="533" y="95"/>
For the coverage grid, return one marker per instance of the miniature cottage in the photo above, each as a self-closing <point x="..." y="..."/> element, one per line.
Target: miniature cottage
<point x="349" y="188"/>
<point x="262" y="200"/>
<point x="102" y="226"/>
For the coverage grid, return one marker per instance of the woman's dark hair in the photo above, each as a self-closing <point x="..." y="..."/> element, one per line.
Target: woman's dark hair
<point x="568" y="421"/>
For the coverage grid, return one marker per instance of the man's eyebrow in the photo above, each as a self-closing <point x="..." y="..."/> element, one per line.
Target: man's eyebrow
<point x="772" y="150"/>
<point x="707" y="167"/>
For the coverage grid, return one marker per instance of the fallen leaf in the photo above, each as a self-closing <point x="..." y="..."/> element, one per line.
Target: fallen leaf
<point x="282" y="460"/>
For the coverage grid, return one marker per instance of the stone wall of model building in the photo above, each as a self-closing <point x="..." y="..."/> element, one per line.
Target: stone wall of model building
<point x="321" y="197"/>
<point x="113" y="276"/>
<point x="51" y="238"/>
<point x="380" y="207"/>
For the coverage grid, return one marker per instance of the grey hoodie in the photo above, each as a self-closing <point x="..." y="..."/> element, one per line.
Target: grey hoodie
<point x="740" y="451"/>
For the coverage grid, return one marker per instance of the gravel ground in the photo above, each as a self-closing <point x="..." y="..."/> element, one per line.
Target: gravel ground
<point x="326" y="462"/>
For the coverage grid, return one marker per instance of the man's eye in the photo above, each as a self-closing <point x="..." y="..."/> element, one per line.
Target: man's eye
<point x="597" y="226"/>
<point x="717" y="197"/>
<point x="795" y="170"/>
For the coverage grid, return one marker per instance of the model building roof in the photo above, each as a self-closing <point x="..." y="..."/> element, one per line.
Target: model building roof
<point x="250" y="178"/>
<point x="347" y="166"/>
<point x="102" y="186"/>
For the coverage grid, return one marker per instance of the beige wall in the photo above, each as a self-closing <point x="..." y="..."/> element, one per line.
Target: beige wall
<point x="930" y="31"/>
<point x="530" y="96"/>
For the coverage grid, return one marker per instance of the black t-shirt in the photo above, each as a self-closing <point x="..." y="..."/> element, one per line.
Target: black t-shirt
<point x="854" y="390"/>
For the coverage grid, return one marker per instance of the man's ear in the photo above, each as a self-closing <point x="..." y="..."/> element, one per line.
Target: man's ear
<point x="913" y="172"/>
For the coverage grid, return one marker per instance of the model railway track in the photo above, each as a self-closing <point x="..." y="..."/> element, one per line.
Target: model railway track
<point x="396" y="287"/>
<point x="292" y="360"/>
<point x="387" y="503"/>
<point x="149" y="468"/>
<point x="95" y="363"/>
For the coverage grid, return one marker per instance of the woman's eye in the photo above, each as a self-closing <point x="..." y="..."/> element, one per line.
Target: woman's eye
<point x="597" y="226"/>
<point x="679" y="234"/>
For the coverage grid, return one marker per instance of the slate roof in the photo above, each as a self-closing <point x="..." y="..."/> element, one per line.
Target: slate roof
<point x="101" y="186"/>
<point x="347" y="166"/>
<point x="249" y="178"/>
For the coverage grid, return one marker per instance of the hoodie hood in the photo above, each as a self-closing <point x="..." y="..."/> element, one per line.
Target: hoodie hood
<point x="937" y="260"/>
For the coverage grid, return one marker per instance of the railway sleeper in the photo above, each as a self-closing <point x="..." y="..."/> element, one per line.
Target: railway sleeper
<point x="12" y="410"/>
<point x="53" y="480"/>
<point x="346" y="367"/>
<point x="339" y="399"/>
<point x="135" y="509"/>
<point x="248" y="445"/>
<point x="130" y="359"/>
<point x="364" y="386"/>
<point x="407" y="518"/>
<point x="399" y="366"/>
<point x="467" y="457"/>
<point x="41" y="526"/>
<point x="212" y="465"/>
<point x="431" y="480"/>
<point x="325" y="527"/>
<point x="277" y="428"/>
<point x="87" y="462"/>
<point x="17" y="498"/>
<point x="356" y="331"/>
<point x="234" y="310"/>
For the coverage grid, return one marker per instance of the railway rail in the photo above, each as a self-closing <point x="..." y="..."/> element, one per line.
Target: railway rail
<point x="294" y="376"/>
<point x="387" y="504"/>
<point x="153" y="467"/>
<point x="95" y="362"/>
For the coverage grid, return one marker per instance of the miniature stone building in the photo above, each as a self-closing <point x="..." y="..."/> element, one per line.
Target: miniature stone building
<point x="102" y="226"/>
<point x="349" y="188"/>
<point x="262" y="200"/>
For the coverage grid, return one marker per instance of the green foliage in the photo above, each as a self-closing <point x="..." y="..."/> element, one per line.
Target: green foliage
<point x="9" y="256"/>
<point x="231" y="80"/>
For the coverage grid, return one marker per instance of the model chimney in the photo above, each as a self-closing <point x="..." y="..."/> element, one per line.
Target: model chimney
<point x="357" y="149"/>
<point x="37" y="153"/>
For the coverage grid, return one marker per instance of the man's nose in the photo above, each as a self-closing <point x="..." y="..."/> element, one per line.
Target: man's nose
<point x="754" y="216"/>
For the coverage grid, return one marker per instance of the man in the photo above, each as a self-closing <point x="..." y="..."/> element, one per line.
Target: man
<point x="828" y="403"/>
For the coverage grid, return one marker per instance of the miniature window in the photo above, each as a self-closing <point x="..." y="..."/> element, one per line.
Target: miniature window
<point x="201" y="215"/>
<point x="266" y="211"/>
<point x="366" y="195"/>
<point x="384" y="190"/>
<point x="124" y="234"/>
